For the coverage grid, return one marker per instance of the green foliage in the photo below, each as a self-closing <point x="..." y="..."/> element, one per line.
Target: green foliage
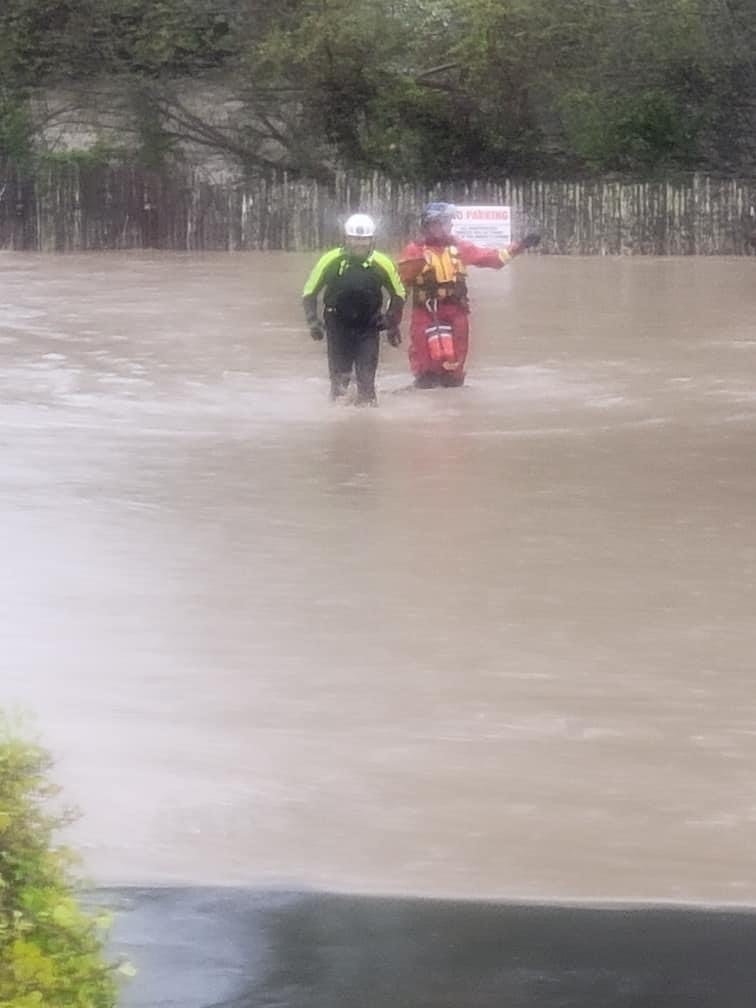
<point x="649" y="130"/>
<point x="426" y="89"/>
<point x="326" y="67"/>
<point x="50" y="950"/>
<point x="48" y="39"/>
<point x="166" y="37"/>
<point x="51" y="40"/>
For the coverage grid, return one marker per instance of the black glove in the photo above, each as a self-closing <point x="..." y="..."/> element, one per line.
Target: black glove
<point x="316" y="330"/>
<point x="393" y="335"/>
<point x="530" y="240"/>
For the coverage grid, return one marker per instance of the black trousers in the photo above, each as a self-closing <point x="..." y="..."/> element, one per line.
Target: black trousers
<point x="348" y="349"/>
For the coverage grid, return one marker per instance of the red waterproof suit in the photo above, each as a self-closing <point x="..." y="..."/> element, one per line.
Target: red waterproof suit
<point x="435" y="271"/>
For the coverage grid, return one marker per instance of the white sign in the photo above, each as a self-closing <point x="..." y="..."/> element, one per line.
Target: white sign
<point x="489" y="226"/>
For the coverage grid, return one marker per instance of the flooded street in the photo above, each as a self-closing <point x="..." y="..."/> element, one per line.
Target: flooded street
<point x="496" y="641"/>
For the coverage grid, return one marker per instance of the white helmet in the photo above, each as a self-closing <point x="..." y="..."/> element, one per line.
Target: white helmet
<point x="359" y="225"/>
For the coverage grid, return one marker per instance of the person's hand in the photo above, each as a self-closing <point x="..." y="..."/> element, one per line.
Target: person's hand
<point x="394" y="336"/>
<point x="316" y="330"/>
<point x="524" y="243"/>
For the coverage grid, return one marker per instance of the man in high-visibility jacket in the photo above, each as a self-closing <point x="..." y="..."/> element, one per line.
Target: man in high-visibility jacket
<point x="435" y="268"/>
<point x="353" y="278"/>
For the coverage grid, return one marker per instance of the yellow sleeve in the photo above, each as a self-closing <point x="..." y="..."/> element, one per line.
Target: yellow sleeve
<point x="395" y="284"/>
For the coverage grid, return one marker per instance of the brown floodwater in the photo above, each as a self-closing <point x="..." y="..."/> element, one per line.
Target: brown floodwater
<point x="496" y="641"/>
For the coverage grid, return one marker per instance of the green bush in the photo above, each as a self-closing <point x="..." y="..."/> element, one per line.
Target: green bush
<point x="51" y="950"/>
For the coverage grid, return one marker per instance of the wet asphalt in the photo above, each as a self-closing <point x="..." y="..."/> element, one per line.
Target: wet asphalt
<point x="238" y="948"/>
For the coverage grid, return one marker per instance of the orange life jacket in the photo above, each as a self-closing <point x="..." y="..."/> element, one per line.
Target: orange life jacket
<point x="443" y="276"/>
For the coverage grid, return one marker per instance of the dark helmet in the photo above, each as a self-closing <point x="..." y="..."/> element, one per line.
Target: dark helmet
<point x="437" y="212"/>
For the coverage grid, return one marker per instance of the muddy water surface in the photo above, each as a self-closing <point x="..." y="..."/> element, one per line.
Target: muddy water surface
<point x="496" y="641"/>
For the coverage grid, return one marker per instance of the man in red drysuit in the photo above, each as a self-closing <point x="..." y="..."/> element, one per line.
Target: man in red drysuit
<point x="434" y="267"/>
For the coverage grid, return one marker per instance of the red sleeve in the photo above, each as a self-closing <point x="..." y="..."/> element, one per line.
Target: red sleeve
<point x="474" y="255"/>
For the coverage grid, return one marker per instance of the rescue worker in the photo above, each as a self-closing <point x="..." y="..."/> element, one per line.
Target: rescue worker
<point x="435" y="268"/>
<point x="353" y="278"/>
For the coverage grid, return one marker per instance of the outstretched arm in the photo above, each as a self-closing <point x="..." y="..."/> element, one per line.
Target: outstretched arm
<point x="475" y="255"/>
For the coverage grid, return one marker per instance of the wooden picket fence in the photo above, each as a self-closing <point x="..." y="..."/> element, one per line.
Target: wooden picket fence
<point x="71" y="208"/>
